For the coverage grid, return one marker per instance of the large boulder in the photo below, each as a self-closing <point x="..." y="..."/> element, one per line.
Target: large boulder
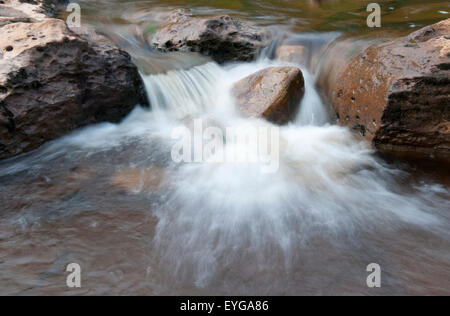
<point x="273" y="93"/>
<point x="53" y="81"/>
<point x="223" y="38"/>
<point x="397" y="94"/>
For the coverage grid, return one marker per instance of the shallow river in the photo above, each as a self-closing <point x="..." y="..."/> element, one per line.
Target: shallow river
<point x="110" y="197"/>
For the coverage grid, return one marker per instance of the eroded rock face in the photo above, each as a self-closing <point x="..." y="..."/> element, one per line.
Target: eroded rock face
<point x="53" y="81"/>
<point x="397" y="94"/>
<point x="223" y="38"/>
<point x="272" y="93"/>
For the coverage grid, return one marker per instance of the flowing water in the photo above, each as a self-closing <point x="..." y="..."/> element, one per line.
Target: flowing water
<point x="111" y="198"/>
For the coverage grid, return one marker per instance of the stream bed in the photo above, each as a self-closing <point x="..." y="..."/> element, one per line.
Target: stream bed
<point x="110" y="198"/>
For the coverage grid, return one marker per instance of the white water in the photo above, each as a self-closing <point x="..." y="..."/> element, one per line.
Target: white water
<point x="217" y="220"/>
<point x="328" y="186"/>
<point x="226" y="217"/>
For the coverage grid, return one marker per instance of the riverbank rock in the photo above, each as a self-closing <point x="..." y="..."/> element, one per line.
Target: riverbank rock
<point x="272" y="93"/>
<point x="223" y="38"/>
<point x="397" y="94"/>
<point x="53" y="81"/>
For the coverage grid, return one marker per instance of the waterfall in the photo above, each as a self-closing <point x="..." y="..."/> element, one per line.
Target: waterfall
<point x="312" y="109"/>
<point x="181" y="93"/>
<point x="185" y="92"/>
<point x="220" y="216"/>
<point x="219" y="223"/>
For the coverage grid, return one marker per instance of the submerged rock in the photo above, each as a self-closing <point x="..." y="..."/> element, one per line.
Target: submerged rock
<point x="53" y="81"/>
<point x="223" y="38"/>
<point x="397" y="94"/>
<point x="293" y="54"/>
<point x="272" y="93"/>
<point x="145" y="180"/>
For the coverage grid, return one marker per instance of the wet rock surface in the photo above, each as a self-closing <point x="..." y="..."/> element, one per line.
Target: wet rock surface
<point x="136" y="180"/>
<point x="223" y="38"/>
<point x="273" y="93"/>
<point x="397" y="94"/>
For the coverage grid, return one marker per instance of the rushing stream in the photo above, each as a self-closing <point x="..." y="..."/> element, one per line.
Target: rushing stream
<point x="110" y="197"/>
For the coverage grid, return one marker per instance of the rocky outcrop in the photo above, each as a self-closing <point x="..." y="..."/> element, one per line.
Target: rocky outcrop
<point x="53" y="81"/>
<point x="272" y="93"/>
<point x="397" y="94"/>
<point x="223" y="38"/>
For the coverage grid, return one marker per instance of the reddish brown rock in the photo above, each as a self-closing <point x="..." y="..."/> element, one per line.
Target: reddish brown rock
<point x="223" y="38"/>
<point x="272" y="93"/>
<point x="53" y="81"/>
<point x="397" y="94"/>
